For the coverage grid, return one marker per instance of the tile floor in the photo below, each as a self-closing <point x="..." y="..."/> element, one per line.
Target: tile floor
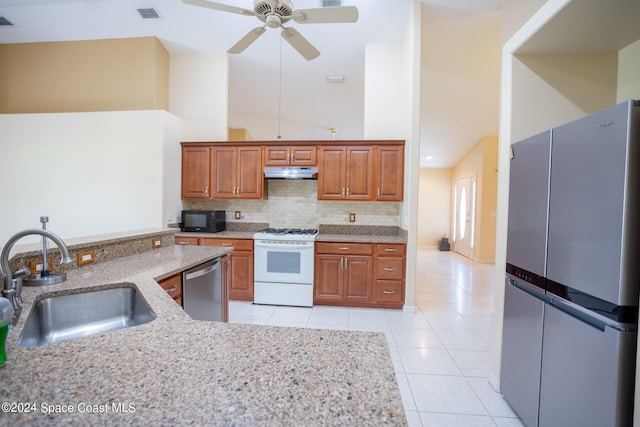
<point x="441" y="353"/>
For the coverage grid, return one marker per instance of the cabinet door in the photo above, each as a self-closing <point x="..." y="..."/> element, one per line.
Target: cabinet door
<point x="328" y="286"/>
<point x="241" y="271"/>
<point x="359" y="173"/>
<point x="250" y="173"/>
<point x="358" y="278"/>
<point x="389" y="173"/>
<point x="331" y="173"/>
<point x="303" y="156"/>
<point x="276" y="155"/>
<point x="173" y="286"/>
<point x="223" y="172"/>
<point x="195" y="172"/>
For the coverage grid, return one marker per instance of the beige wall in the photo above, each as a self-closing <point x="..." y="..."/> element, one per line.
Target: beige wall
<point x="91" y="173"/>
<point x="515" y="14"/>
<point x="549" y="90"/>
<point x="79" y="76"/>
<point x="481" y="163"/>
<point x="629" y="73"/>
<point x="434" y="210"/>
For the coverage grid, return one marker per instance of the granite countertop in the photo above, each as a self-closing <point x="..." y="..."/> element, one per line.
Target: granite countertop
<point x="360" y="238"/>
<point x="220" y="235"/>
<point x="177" y="371"/>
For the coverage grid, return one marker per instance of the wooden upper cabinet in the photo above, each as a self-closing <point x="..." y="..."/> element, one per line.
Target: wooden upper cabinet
<point x="362" y="170"/>
<point x="332" y="163"/>
<point x="359" y="183"/>
<point x="250" y="173"/>
<point x="195" y="172"/>
<point x="345" y="173"/>
<point x="237" y="172"/>
<point x="223" y="172"/>
<point x="290" y="155"/>
<point x="389" y="173"/>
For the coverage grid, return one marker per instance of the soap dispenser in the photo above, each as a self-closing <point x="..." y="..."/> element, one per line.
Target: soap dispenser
<point x="6" y="313"/>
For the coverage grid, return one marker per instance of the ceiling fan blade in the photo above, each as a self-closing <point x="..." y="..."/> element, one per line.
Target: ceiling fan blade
<point x="219" y="6"/>
<point x="326" y="15"/>
<point x="299" y="43"/>
<point x="244" y="42"/>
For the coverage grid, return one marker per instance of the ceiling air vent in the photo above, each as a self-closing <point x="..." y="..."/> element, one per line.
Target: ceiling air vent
<point x="149" y="13"/>
<point x="331" y="3"/>
<point x="4" y="21"/>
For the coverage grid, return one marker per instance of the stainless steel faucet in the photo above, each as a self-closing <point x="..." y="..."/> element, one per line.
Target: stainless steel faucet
<point x="12" y="290"/>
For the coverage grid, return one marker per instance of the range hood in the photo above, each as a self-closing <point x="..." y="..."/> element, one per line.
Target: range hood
<point x="291" y="172"/>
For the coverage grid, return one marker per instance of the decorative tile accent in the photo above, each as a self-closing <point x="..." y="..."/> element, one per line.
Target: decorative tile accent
<point x="294" y="203"/>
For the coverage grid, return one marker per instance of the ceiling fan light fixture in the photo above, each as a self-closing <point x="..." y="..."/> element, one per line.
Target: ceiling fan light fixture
<point x="335" y="79"/>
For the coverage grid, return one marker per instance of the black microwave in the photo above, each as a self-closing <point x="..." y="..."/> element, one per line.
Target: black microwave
<point x="203" y="221"/>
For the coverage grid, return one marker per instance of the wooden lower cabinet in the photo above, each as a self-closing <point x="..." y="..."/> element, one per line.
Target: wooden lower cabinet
<point x="186" y="241"/>
<point x="173" y="286"/>
<point x="240" y="279"/>
<point x="343" y="274"/>
<point x="359" y="274"/>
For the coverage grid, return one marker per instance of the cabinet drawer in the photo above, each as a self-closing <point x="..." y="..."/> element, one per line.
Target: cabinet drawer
<point x="389" y="291"/>
<point x="390" y="268"/>
<point x="238" y="244"/>
<point x="344" y="248"/>
<point x="186" y="241"/>
<point x="390" y="249"/>
<point x="172" y="285"/>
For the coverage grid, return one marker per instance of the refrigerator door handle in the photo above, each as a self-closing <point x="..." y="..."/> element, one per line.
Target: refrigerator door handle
<point x="577" y="314"/>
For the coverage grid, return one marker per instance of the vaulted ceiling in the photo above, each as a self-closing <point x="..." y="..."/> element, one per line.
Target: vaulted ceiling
<point x="274" y="91"/>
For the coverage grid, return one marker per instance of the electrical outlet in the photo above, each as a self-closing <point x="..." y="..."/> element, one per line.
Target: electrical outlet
<point x="36" y="266"/>
<point x="86" y="257"/>
<point x="238" y="215"/>
<point x="156" y="243"/>
<point x="352" y="217"/>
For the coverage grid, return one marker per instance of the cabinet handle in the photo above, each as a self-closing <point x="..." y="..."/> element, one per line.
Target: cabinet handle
<point x="206" y="190"/>
<point x="344" y="248"/>
<point x="227" y="244"/>
<point x="345" y="262"/>
<point x="389" y="249"/>
<point x="171" y="290"/>
<point x="293" y="158"/>
<point x="342" y="191"/>
<point x="347" y="191"/>
<point x="389" y="269"/>
<point x="378" y="194"/>
<point x="388" y="292"/>
<point x="183" y="243"/>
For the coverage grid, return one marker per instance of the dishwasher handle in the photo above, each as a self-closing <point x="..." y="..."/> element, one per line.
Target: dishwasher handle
<point x="204" y="271"/>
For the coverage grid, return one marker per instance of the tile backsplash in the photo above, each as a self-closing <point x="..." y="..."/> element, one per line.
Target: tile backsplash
<point x="294" y="203"/>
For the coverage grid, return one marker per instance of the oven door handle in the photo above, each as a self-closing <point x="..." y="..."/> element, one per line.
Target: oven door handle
<point x="306" y="245"/>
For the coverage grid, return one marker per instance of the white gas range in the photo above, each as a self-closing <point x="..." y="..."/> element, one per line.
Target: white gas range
<point x="283" y="266"/>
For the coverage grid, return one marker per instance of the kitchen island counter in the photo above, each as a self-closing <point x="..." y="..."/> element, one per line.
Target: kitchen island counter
<point x="177" y="371"/>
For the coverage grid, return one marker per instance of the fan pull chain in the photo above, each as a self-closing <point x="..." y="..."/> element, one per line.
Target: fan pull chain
<point x="280" y="91"/>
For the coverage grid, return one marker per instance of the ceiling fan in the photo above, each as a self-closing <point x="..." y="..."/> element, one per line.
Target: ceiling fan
<point x="276" y="13"/>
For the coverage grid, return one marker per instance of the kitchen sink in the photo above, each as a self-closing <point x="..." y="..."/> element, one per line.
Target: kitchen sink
<point x="65" y="317"/>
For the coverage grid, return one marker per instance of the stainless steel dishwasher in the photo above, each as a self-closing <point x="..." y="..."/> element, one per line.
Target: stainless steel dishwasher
<point x="202" y="293"/>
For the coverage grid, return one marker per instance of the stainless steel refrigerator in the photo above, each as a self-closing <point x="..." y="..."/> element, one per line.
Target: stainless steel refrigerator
<point x="582" y="340"/>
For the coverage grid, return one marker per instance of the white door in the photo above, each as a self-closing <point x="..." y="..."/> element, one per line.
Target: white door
<point x="464" y="197"/>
